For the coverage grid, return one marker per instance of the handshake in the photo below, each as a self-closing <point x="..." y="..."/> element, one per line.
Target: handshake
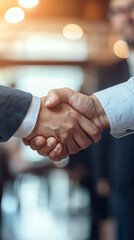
<point x="67" y="123"/>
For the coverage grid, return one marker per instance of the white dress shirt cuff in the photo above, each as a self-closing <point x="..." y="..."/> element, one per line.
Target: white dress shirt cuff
<point x="118" y="104"/>
<point x="30" y="119"/>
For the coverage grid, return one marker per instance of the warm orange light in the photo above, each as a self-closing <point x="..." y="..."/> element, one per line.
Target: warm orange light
<point x="14" y="15"/>
<point x="121" y="49"/>
<point x="72" y="32"/>
<point x="28" y="3"/>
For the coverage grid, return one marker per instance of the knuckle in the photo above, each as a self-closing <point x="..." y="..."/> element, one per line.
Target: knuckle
<point x="65" y="138"/>
<point x="67" y="134"/>
<point x="72" y="114"/>
<point x="71" y="126"/>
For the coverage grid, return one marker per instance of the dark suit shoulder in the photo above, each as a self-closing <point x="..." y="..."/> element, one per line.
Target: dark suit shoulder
<point x="114" y="74"/>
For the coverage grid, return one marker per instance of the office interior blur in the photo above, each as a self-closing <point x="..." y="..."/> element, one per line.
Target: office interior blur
<point x="80" y="44"/>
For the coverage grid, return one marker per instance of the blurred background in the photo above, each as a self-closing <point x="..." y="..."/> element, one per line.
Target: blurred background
<point x="46" y="44"/>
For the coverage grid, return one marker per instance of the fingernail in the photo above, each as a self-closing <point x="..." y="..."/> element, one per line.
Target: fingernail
<point x="51" y="142"/>
<point x="38" y="142"/>
<point x="57" y="148"/>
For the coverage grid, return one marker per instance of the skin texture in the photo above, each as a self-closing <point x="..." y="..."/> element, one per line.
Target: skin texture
<point x="69" y="127"/>
<point x="89" y="106"/>
<point x="94" y="122"/>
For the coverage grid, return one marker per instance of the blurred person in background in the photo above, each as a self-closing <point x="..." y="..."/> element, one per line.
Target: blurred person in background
<point x="112" y="160"/>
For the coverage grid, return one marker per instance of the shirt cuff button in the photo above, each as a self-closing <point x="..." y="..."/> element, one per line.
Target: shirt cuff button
<point x="129" y="130"/>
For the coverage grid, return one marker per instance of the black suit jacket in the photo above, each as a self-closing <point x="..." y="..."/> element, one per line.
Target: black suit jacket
<point x="114" y="158"/>
<point x="14" y="105"/>
<point x="113" y="75"/>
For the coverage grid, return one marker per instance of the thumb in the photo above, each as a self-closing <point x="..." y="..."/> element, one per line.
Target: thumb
<point x="52" y="99"/>
<point x="57" y="96"/>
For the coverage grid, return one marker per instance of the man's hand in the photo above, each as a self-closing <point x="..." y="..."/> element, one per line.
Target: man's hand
<point x="89" y="106"/>
<point x="70" y="128"/>
<point x="45" y="147"/>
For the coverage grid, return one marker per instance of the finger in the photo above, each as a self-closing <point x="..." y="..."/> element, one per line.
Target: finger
<point x="90" y="128"/>
<point x="37" y="142"/>
<point x="55" y="97"/>
<point x="55" y="159"/>
<point x="26" y="142"/>
<point x="57" y="153"/>
<point x="72" y="146"/>
<point x="64" y="153"/>
<point x="82" y="139"/>
<point x="51" y="144"/>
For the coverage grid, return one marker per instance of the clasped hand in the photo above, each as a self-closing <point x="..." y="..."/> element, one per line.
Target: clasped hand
<point x="67" y="123"/>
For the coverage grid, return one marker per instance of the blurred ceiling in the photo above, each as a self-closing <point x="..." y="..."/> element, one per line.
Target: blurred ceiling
<point x="89" y="9"/>
<point x="39" y="40"/>
<point x="39" y="36"/>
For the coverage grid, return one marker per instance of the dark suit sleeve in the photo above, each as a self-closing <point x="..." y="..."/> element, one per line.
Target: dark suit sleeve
<point x="14" y="105"/>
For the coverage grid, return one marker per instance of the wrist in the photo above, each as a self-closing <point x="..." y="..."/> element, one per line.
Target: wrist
<point x="100" y="119"/>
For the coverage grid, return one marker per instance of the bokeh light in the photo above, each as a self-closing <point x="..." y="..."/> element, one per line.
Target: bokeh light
<point x="72" y="32"/>
<point x="121" y="49"/>
<point x="28" y="3"/>
<point x="14" y="15"/>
